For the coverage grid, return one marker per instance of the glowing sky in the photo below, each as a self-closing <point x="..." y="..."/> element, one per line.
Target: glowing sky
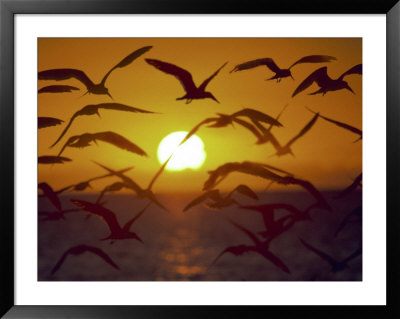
<point x="326" y="155"/>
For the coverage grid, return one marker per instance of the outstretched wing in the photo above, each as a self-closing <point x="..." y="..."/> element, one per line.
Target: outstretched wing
<point x="305" y="129"/>
<point x="355" y="212"/>
<point x="70" y="141"/>
<point x="273" y="259"/>
<point x="48" y="121"/>
<point x="197" y="127"/>
<point x="106" y="215"/>
<point x="66" y="128"/>
<point x="64" y="74"/>
<point x="127" y="60"/>
<point x="181" y="74"/>
<point x="121" y="107"/>
<point x="162" y="168"/>
<point x="119" y="141"/>
<point x="245" y="190"/>
<point x="50" y="159"/>
<point x="60" y="261"/>
<point x="251" y="128"/>
<point x="57" y="89"/>
<point x="128" y="225"/>
<point x="210" y="194"/>
<point x="257" y="116"/>
<point x="351" y="187"/>
<point x="319" y="76"/>
<point x="102" y="254"/>
<point x="314" y="59"/>
<point x="357" y="69"/>
<point x="268" y="62"/>
<point x="320" y="253"/>
<point x="206" y="81"/>
<point x="244" y="230"/>
<point x="50" y="194"/>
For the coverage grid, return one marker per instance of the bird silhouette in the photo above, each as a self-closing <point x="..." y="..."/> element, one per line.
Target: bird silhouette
<point x="192" y="91"/>
<point x="264" y="171"/>
<point x="281" y="73"/>
<point x="100" y="88"/>
<point x="94" y="109"/>
<point x="259" y="247"/>
<point x="50" y="194"/>
<point x="57" y="89"/>
<point x="110" y="219"/>
<point x="352" y="187"/>
<point x="341" y="124"/>
<point x="326" y="83"/>
<point x="132" y="185"/>
<point x="114" y="187"/>
<point x="286" y="149"/>
<point x="48" y="121"/>
<point x="80" y="249"/>
<point x="336" y="265"/>
<point x="355" y="216"/>
<point x="224" y="120"/>
<point x="220" y="201"/>
<point x="50" y="159"/>
<point x="115" y="139"/>
<point x="273" y="227"/>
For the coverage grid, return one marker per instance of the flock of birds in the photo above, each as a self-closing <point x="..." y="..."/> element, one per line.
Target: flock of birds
<point x="257" y="123"/>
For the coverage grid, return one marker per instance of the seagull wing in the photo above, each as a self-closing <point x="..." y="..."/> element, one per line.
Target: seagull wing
<point x="121" y="107"/>
<point x="119" y="141"/>
<point x="162" y="168"/>
<point x="357" y="69"/>
<point x="304" y="130"/>
<point x="250" y="127"/>
<point x="319" y="76"/>
<point x="67" y="127"/>
<point x="99" y="252"/>
<point x="350" y="188"/>
<point x="49" y="159"/>
<point x="106" y="215"/>
<point x="245" y="190"/>
<point x="48" y="121"/>
<point x="197" y="127"/>
<point x="353" y="255"/>
<point x="127" y="60"/>
<point x="268" y="62"/>
<point x="128" y="225"/>
<point x="64" y="74"/>
<point x="181" y="74"/>
<point x="320" y="253"/>
<point x="257" y="116"/>
<point x="246" y="231"/>
<point x="210" y="194"/>
<point x="273" y="259"/>
<point x="50" y="194"/>
<point x="57" y="89"/>
<point x="313" y="59"/>
<point x="70" y="141"/>
<point x="356" y="211"/>
<point x="206" y="81"/>
<point x="60" y="261"/>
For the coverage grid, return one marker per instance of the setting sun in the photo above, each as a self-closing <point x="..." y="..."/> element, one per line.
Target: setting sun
<point x="191" y="154"/>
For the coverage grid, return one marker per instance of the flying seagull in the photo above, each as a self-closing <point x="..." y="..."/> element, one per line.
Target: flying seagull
<point x="94" y="109"/>
<point x="100" y="88"/>
<point x="115" y="139"/>
<point x="192" y="91"/>
<point x="80" y="249"/>
<point x="281" y="73"/>
<point x="326" y="83"/>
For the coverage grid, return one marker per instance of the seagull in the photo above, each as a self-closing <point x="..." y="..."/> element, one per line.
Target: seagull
<point x="100" y="88"/>
<point x="222" y="201"/>
<point x="357" y="213"/>
<point x="336" y="265"/>
<point x="132" y="185"/>
<point x="50" y="194"/>
<point x="48" y="121"/>
<point x="276" y="227"/>
<point x="285" y="149"/>
<point x="50" y="159"/>
<point x="341" y="124"/>
<point x="224" y="120"/>
<point x="326" y="83"/>
<point x="94" y="109"/>
<point x="57" y="89"/>
<point x="259" y="247"/>
<point x="192" y="91"/>
<point x="115" y="139"/>
<point x="110" y="219"/>
<point x="80" y="249"/>
<point x="281" y="73"/>
<point x="353" y="186"/>
<point x="264" y="171"/>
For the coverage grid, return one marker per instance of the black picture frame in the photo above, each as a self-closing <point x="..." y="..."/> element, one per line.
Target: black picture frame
<point x="8" y="10"/>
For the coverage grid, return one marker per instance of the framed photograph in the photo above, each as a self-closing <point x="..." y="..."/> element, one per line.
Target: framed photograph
<point x="197" y="156"/>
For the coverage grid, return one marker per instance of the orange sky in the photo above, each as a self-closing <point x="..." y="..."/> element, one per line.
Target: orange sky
<point x="326" y="155"/>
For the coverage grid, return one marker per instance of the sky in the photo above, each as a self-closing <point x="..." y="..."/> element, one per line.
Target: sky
<point x="326" y="155"/>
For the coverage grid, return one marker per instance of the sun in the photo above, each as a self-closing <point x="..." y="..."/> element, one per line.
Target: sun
<point x="191" y="154"/>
